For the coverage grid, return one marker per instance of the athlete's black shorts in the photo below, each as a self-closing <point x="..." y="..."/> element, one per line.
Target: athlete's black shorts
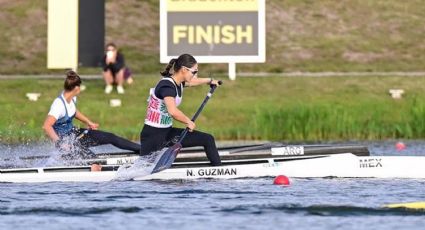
<point x="153" y="139"/>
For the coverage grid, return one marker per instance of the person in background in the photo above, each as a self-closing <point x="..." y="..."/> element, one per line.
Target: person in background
<point x="59" y="127"/>
<point x="114" y="69"/>
<point x="163" y="105"/>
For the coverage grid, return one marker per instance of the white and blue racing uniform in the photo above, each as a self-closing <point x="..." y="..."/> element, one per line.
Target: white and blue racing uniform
<point x="64" y="114"/>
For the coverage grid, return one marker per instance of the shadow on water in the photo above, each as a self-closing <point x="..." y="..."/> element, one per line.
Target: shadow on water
<point x="61" y="211"/>
<point x="326" y="210"/>
<point x="316" y="210"/>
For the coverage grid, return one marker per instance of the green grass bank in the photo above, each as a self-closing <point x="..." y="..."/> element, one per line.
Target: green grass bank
<point x="301" y="35"/>
<point x="250" y="108"/>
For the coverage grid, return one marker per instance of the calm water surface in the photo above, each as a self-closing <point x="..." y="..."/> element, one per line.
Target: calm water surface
<point x="217" y="204"/>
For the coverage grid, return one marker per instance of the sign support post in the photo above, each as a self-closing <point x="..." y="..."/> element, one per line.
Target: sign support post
<point x="232" y="71"/>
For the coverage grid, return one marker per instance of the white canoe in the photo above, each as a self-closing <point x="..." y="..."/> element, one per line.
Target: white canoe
<point x="341" y="165"/>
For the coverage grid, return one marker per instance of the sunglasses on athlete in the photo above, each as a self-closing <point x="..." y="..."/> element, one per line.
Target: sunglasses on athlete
<point x="194" y="72"/>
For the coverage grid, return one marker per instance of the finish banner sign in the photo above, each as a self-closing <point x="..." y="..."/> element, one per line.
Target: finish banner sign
<point x="215" y="31"/>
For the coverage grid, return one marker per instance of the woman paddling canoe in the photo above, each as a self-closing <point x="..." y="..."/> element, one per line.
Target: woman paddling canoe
<point x="163" y="105"/>
<point x="60" y="129"/>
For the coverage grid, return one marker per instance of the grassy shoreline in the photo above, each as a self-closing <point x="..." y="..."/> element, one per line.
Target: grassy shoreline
<point x="301" y="35"/>
<point x="273" y="108"/>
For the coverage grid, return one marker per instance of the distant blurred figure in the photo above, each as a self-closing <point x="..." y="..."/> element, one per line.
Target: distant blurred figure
<point x="114" y="69"/>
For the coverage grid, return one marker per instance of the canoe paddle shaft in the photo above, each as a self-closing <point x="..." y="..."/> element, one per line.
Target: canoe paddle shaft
<point x="170" y="154"/>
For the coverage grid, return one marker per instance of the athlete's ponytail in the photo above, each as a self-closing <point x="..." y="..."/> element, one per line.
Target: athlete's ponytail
<point x="185" y="60"/>
<point x="166" y="72"/>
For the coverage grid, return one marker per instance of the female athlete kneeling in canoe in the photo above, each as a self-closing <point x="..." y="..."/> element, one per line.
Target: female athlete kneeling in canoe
<point x="163" y="105"/>
<point x="69" y="139"/>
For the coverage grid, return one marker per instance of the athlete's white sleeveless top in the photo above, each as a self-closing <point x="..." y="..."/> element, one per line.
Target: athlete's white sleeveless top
<point x="156" y="113"/>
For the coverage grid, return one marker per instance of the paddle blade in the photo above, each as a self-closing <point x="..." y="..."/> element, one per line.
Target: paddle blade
<point x="167" y="158"/>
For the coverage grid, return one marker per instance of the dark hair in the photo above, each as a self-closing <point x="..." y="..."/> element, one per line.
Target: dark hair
<point x="72" y="80"/>
<point x="111" y="44"/>
<point x="183" y="60"/>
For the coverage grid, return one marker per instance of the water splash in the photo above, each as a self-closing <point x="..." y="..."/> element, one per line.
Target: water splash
<point x="43" y="154"/>
<point x="143" y="166"/>
<point x="23" y="155"/>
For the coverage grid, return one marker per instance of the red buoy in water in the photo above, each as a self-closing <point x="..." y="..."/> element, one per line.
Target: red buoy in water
<point x="281" y="180"/>
<point x="400" y="146"/>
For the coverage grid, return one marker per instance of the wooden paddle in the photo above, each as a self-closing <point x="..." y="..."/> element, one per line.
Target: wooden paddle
<point x="170" y="154"/>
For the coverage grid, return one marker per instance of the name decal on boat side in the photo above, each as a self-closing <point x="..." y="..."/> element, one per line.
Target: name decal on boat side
<point x="288" y="150"/>
<point x="371" y="163"/>
<point x="121" y="161"/>
<point x="212" y="172"/>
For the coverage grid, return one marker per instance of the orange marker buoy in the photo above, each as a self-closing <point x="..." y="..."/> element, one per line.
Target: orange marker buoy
<point x="400" y="146"/>
<point x="281" y="180"/>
